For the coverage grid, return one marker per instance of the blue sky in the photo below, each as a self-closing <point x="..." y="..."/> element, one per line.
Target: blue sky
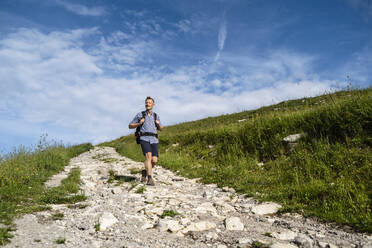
<point x="80" y="70"/>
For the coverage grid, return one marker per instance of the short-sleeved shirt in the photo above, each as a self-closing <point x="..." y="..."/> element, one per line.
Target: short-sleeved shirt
<point x="148" y="126"/>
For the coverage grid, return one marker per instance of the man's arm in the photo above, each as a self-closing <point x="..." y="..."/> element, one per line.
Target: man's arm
<point x="158" y="125"/>
<point x="135" y="125"/>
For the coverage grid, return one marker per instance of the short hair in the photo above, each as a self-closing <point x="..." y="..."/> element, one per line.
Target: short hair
<point x="149" y="97"/>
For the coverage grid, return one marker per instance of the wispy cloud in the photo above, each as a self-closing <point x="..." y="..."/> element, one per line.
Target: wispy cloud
<point x="364" y="5"/>
<point x="81" y="9"/>
<point x="58" y="84"/>
<point x="222" y="33"/>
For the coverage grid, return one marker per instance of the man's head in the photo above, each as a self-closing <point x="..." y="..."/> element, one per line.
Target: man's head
<point x="149" y="103"/>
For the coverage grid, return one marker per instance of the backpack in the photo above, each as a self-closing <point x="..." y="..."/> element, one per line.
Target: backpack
<point x="138" y="133"/>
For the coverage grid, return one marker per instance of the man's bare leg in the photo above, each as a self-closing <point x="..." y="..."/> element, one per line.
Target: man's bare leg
<point x="148" y="165"/>
<point x="154" y="161"/>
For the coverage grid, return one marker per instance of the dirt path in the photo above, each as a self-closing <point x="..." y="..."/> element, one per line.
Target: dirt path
<point x="206" y="216"/>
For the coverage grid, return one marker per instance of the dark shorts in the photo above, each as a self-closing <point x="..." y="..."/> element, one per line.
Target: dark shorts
<point x="147" y="147"/>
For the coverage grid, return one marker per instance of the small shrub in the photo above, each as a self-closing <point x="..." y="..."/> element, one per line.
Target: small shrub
<point x="58" y="216"/>
<point x="140" y="190"/>
<point x="169" y="213"/>
<point x="61" y="240"/>
<point x="97" y="227"/>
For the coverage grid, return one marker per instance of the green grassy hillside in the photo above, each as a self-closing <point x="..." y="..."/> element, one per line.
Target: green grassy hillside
<point x="22" y="177"/>
<point x="328" y="174"/>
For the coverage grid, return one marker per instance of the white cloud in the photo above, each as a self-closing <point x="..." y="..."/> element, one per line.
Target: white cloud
<point x="222" y="33"/>
<point x="77" y="93"/>
<point x="81" y="9"/>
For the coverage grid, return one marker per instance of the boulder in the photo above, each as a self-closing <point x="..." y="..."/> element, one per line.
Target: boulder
<point x="234" y="224"/>
<point x="174" y="226"/>
<point x="266" y="208"/>
<point x="107" y="219"/>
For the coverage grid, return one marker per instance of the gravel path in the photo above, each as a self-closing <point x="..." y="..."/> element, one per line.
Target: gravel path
<point x="206" y="216"/>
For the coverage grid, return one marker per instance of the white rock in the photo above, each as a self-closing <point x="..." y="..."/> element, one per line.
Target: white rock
<point x="304" y="241"/>
<point x="116" y="190"/>
<point x="205" y="208"/>
<point x="211" y="236"/>
<point x="260" y="164"/>
<point x="294" y="137"/>
<point x="280" y="245"/>
<point x="234" y="224"/>
<point x="174" y="226"/>
<point x="149" y="211"/>
<point x="286" y="235"/>
<point x="95" y="244"/>
<point x="226" y="208"/>
<point x="185" y="221"/>
<point x="221" y="246"/>
<point x="266" y="208"/>
<point x="199" y="227"/>
<point x="173" y="202"/>
<point x="207" y="194"/>
<point x="245" y="241"/>
<point x="147" y="226"/>
<point x="162" y="225"/>
<point x="107" y="219"/>
<point x="242" y="120"/>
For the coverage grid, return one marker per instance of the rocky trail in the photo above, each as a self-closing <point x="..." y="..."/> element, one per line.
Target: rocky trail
<point x="176" y="212"/>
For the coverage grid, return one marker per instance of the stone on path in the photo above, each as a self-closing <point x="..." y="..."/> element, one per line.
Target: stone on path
<point x="199" y="227"/>
<point x="234" y="224"/>
<point x="245" y="241"/>
<point x="107" y="219"/>
<point x="281" y="245"/>
<point x="266" y="208"/>
<point x="286" y="235"/>
<point x="303" y="241"/>
<point x="174" y="226"/>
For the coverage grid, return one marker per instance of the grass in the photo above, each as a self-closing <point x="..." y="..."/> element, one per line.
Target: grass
<point x="58" y="216"/>
<point x="258" y="244"/>
<point x="169" y="213"/>
<point x="103" y="157"/>
<point x="133" y="171"/>
<point x="328" y="174"/>
<point x="61" y="241"/>
<point x="140" y="190"/>
<point x="5" y="235"/>
<point x="97" y="227"/>
<point x="22" y="176"/>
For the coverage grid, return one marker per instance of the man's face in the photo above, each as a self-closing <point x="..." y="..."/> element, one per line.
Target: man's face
<point x="149" y="104"/>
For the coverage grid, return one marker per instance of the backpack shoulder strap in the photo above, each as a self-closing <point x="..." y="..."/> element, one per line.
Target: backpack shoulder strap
<point x="143" y="114"/>
<point x="139" y="127"/>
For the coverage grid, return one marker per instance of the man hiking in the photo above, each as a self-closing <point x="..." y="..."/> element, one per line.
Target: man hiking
<point x="147" y="124"/>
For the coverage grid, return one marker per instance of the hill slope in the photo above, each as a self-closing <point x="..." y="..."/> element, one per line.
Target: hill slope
<point x="327" y="174"/>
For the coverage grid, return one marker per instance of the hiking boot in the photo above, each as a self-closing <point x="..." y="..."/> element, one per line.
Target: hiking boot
<point x="150" y="182"/>
<point x="144" y="175"/>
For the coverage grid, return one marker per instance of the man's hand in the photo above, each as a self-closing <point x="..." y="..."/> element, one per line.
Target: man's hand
<point x="141" y="121"/>
<point x="159" y="127"/>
